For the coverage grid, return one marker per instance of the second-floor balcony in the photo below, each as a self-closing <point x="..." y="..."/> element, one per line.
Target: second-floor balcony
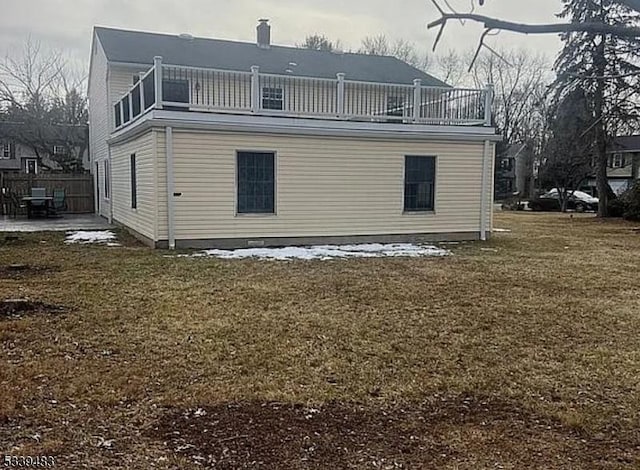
<point x="181" y="88"/>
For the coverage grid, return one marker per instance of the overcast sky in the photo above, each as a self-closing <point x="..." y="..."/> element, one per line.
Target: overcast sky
<point x="66" y="24"/>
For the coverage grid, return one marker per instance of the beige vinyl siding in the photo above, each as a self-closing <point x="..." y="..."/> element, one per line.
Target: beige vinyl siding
<point x="142" y="218"/>
<point x="325" y="186"/>
<point x="99" y="129"/>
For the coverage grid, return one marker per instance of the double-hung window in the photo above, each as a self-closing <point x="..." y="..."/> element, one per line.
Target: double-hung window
<point x="255" y="183"/>
<point x="5" y="150"/>
<point x="618" y="161"/>
<point x="419" y="183"/>
<point x="272" y="98"/>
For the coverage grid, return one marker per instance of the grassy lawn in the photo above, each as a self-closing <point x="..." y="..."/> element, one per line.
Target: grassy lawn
<point x="523" y="352"/>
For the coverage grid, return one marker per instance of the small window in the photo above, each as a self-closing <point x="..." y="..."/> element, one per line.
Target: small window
<point x="255" y="183"/>
<point x="506" y="164"/>
<point x="395" y="106"/>
<point x="59" y="150"/>
<point x="31" y="166"/>
<point x="107" y="179"/>
<point x="419" y="183"/>
<point x="272" y="98"/>
<point x="134" y="182"/>
<point x="5" y="150"/>
<point x="618" y="161"/>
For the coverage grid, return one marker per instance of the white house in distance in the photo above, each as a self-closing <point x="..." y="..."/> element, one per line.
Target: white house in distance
<point x="209" y="143"/>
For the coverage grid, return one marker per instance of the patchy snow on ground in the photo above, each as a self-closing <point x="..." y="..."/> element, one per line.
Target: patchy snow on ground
<point x="93" y="236"/>
<point x="326" y="252"/>
<point x="501" y="230"/>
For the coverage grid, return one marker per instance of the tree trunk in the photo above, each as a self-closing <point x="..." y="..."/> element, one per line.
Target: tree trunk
<point x="602" y="183"/>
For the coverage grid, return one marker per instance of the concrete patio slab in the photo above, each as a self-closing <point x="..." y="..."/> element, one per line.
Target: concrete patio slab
<point x="67" y="222"/>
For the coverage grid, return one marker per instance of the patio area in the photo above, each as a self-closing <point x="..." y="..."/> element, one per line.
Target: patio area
<point x="67" y="222"/>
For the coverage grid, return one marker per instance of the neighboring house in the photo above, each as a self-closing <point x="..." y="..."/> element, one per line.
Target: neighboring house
<point x="17" y="157"/>
<point x="623" y="166"/>
<point x="208" y="143"/>
<point x="512" y="170"/>
<point x="624" y="163"/>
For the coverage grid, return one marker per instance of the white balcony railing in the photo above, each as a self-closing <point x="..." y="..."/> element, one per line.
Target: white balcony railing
<point x="183" y="88"/>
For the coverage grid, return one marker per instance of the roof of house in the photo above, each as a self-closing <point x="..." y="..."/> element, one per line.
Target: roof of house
<point x="138" y="47"/>
<point x="627" y="142"/>
<point x="54" y="133"/>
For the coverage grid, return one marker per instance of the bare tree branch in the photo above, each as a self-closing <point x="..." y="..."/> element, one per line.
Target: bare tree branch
<point x="526" y="28"/>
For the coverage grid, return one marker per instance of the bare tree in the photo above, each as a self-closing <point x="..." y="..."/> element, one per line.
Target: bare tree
<point x="43" y="99"/>
<point x="400" y="48"/>
<point x="319" y="42"/>
<point x="451" y="68"/>
<point x="519" y="78"/>
<point x="497" y="24"/>
<point x="600" y="54"/>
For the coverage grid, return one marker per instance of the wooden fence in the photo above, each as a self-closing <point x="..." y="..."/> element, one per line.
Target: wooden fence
<point x="78" y="189"/>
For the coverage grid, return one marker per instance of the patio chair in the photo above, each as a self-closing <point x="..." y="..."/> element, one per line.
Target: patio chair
<point x="59" y="203"/>
<point x="38" y="207"/>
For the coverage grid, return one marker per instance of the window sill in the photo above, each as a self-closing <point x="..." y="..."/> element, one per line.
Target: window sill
<point x="419" y="213"/>
<point x="257" y="215"/>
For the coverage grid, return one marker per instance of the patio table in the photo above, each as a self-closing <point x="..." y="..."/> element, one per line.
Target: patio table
<point x="31" y="199"/>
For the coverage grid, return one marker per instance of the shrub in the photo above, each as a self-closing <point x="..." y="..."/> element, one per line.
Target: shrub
<point x="628" y="204"/>
<point x="632" y="202"/>
<point x="617" y="207"/>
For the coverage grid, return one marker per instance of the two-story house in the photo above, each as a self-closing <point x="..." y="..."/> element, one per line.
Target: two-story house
<point x="624" y="163"/>
<point x="209" y="143"/>
<point x="19" y="156"/>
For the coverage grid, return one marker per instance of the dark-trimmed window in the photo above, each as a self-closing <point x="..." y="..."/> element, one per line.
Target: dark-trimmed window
<point x="134" y="181"/>
<point x="419" y="183"/>
<point x="6" y="150"/>
<point x="272" y="98"/>
<point x="256" y="182"/>
<point x="395" y="106"/>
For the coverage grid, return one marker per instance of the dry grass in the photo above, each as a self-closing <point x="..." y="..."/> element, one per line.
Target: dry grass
<point x="543" y="321"/>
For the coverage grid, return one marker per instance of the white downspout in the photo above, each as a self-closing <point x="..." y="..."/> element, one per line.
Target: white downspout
<point x="485" y="190"/>
<point x="110" y="185"/>
<point x="170" y="189"/>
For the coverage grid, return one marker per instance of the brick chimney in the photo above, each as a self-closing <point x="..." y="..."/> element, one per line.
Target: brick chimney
<point x="264" y="34"/>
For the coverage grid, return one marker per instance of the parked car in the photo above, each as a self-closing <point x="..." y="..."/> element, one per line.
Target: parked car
<point x="578" y="201"/>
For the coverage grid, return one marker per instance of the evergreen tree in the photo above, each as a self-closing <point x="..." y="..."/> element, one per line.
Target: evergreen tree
<point x="605" y="67"/>
<point x="570" y="145"/>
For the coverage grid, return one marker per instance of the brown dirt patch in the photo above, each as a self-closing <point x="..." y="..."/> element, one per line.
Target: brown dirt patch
<point x="461" y="432"/>
<point x="17" y="308"/>
<point x="21" y="271"/>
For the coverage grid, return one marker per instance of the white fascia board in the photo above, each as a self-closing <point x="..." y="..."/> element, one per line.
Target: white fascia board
<point x="296" y="126"/>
